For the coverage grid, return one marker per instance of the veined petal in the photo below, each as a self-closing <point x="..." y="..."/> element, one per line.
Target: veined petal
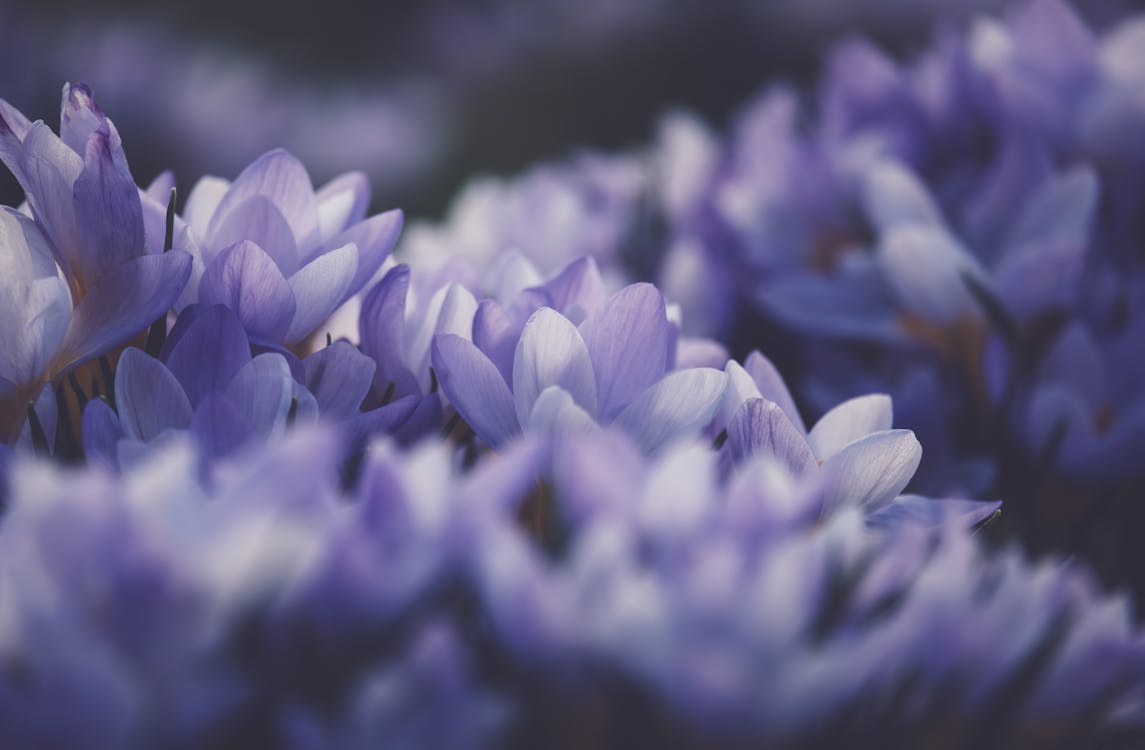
<point x="245" y="279"/>
<point x="339" y="376"/>
<point x="871" y="471"/>
<point x="375" y="239"/>
<point x="496" y="333"/>
<point x="123" y="303"/>
<point x="262" y="389"/>
<point x="682" y="403"/>
<point x="209" y="353"/>
<point x="381" y="327"/>
<point x="34" y="317"/>
<point x="849" y="421"/>
<point x="108" y="212"/>
<point x="48" y="173"/>
<point x="556" y="411"/>
<point x="551" y="352"/>
<point x="932" y="511"/>
<point x="319" y="287"/>
<point x="148" y="397"/>
<point x="282" y="179"/>
<point x="629" y="340"/>
<point x="577" y="290"/>
<point x="475" y="388"/>
<point x="772" y="386"/>
<point x="258" y="220"/>
<point x="450" y="310"/>
<point x="761" y="428"/>
<point x="25" y="253"/>
<point x="341" y="203"/>
<point x="80" y="117"/>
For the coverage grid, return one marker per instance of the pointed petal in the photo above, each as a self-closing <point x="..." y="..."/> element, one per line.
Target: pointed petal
<point x="892" y="195"/>
<point x="849" y="421"/>
<point x="341" y="203"/>
<point x="762" y="428"/>
<point x="80" y="117"/>
<point x="629" y="340"/>
<point x="475" y="388"/>
<point x="772" y="386"/>
<point x="577" y="289"/>
<point x="555" y="411"/>
<point x="245" y="279"/>
<point x="928" y="511"/>
<point x="872" y="471"/>
<point x="319" y="288"/>
<point x="258" y="220"/>
<point x="101" y="433"/>
<point x="375" y="239"/>
<point x="201" y="204"/>
<point x="496" y="333"/>
<point x="381" y="327"/>
<point x="679" y="405"/>
<point x="122" y="304"/>
<point x="108" y="212"/>
<point x="148" y="397"/>
<point x="339" y="376"/>
<point x="48" y="173"/>
<point x="262" y="389"/>
<point x="282" y="179"/>
<point x="219" y="426"/>
<point x="209" y="352"/>
<point x="551" y="352"/>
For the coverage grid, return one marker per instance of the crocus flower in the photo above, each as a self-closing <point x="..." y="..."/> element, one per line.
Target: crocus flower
<point x="84" y="200"/>
<point x="616" y="367"/>
<point x="281" y="255"/>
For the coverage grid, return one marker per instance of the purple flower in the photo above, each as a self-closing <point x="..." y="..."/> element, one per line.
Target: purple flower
<point x="279" y="254"/>
<point x="84" y="199"/>
<point x="616" y="367"/>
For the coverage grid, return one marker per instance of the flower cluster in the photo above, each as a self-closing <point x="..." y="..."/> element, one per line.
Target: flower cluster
<point x="263" y="485"/>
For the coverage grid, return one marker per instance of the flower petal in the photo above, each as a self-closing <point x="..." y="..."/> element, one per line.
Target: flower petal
<point x="244" y="278"/>
<point x="123" y="303"/>
<point x="101" y="433"/>
<point x="381" y="327"/>
<point x="475" y="388"/>
<point x="496" y="333"/>
<point x="926" y="268"/>
<point x="871" y="471"/>
<point x="209" y="352"/>
<point x="555" y="411"/>
<point x="339" y="376"/>
<point x="680" y="404"/>
<point x="577" y="289"/>
<point x="108" y="212"/>
<point x="258" y="220"/>
<point x="551" y="352"/>
<point x="375" y="239"/>
<point x="849" y="421"/>
<point x="34" y="318"/>
<point x="282" y="179"/>
<point x="219" y="426"/>
<point x="341" y="203"/>
<point x="772" y="386"/>
<point x="262" y="389"/>
<point x="319" y="288"/>
<point x="629" y="340"/>
<point x="148" y="397"/>
<point x="762" y="428"/>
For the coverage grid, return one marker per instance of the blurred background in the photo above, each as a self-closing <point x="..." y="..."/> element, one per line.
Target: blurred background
<point x="423" y="94"/>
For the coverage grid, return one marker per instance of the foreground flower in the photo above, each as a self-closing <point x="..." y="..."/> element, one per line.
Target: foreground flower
<point x="89" y="221"/>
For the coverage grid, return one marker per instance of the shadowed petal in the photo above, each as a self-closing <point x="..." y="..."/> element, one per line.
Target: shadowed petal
<point x="762" y="428"/>
<point x="551" y="352"/>
<point x="101" y="433"/>
<point x="925" y="267"/>
<point x="219" y="426"/>
<point x="496" y="333"/>
<point x="262" y="389"/>
<point x="932" y="512"/>
<point x="475" y="388"/>
<point x="893" y="195"/>
<point x="577" y="290"/>
<point x="34" y="317"/>
<point x="339" y="376"/>
<point x="872" y="471"/>
<point x="629" y="340"/>
<point x="209" y="352"/>
<point x="108" y="212"/>
<point x="148" y="397"/>
<point x="319" y="288"/>
<point x="125" y="302"/>
<point x="555" y="410"/>
<point x="245" y="279"/>
<point x="679" y="405"/>
<point x="849" y="421"/>
<point x="381" y="327"/>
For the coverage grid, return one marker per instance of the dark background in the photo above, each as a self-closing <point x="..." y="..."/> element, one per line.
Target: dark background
<point x="423" y="95"/>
